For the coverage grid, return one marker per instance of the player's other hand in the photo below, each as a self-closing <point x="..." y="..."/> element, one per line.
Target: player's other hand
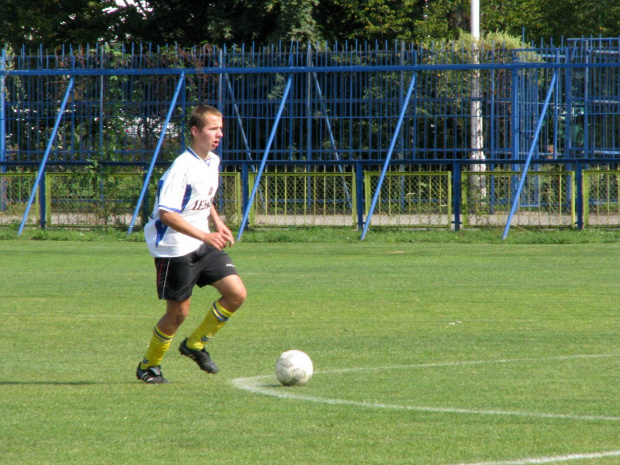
<point x="223" y="230"/>
<point x="217" y="240"/>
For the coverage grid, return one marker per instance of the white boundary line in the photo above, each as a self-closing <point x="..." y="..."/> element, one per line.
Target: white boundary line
<point x="472" y="362"/>
<point x="257" y="385"/>
<point x="559" y="458"/>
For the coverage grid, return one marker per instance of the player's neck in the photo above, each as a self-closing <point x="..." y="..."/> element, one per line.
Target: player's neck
<point x="203" y="154"/>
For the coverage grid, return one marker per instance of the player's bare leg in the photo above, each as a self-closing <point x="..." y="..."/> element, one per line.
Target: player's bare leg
<point x="176" y="314"/>
<point x="233" y="292"/>
<point x="149" y="369"/>
<point x="233" y="295"/>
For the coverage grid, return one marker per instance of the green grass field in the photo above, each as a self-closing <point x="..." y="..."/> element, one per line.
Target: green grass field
<point x="424" y="354"/>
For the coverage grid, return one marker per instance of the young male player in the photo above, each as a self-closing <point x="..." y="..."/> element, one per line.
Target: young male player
<point x="186" y="252"/>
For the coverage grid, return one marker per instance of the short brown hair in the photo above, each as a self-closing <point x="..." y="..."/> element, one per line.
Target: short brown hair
<point x="197" y="117"/>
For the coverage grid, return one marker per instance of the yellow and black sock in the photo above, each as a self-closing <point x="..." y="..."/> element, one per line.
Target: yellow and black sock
<point x="160" y="343"/>
<point x="215" y="319"/>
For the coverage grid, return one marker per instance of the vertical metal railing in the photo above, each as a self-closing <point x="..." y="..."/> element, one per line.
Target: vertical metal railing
<point x="2" y="114"/>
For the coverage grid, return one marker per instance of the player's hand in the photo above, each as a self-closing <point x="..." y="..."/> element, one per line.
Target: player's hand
<point x="216" y="240"/>
<point x="223" y="229"/>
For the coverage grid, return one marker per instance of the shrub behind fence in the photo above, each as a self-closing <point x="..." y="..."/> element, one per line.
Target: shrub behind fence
<point x="305" y="199"/>
<point x="417" y="199"/>
<point x="547" y="199"/>
<point x="602" y="198"/>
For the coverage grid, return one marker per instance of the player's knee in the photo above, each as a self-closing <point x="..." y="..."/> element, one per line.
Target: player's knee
<point x="180" y="318"/>
<point x="235" y="299"/>
<point x="239" y="297"/>
<point x="178" y="311"/>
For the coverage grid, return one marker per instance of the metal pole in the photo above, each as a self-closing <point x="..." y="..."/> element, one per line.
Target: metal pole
<point x="579" y="195"/>
<point x="156" y="153"/>
<point x="388" y="157"/>
<point x="46" y="155"/>
<point x="2" y="113"/>
<point x="476" y="122"/>
<point x="515" y="202"/>
<point x="248" y="207"/>
<point x="458" y="194"/>
<point x="3" y="188"/>
<point x="475" y="19"/>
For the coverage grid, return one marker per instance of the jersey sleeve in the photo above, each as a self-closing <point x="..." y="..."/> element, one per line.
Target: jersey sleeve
<point x="175" y="192"/>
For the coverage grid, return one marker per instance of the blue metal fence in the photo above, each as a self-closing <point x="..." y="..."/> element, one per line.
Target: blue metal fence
<point x="341" y="102"/>
<point x="344" y="101"/>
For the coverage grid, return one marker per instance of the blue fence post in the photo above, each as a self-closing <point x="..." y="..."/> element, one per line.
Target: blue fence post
<point x="515" y="129"/>
<point x="43" y="203"/>
<point x="3" y="189"/>
<point x="359" y="190"/>
<point x="579" y="195"/>
<point x="456" y="195"/>
<point x="2" y="115"/>
<point x="568" y="104"/>
<point x="245" y="181"/>
<point x="586" y="104"/>
<point x="146" y="206"/>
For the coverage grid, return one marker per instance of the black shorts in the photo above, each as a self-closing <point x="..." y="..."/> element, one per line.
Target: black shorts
<point x="177" y="276"/>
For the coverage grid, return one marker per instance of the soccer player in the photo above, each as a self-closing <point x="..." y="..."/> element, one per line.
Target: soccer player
<point x="187" y="253"/>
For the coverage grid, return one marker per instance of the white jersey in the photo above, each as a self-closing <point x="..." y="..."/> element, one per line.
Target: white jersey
<point x="188" y="188"/>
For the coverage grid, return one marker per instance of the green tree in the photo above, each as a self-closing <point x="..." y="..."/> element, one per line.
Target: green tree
<point x="183" y="22"/>
<point x="339" y="20"/>
<point x="295" y="21"/>
<point x="577" y="18"/>
<point x="52" y="22"/>
<point x="535" y="19"/>
<point x="187" y="23"/>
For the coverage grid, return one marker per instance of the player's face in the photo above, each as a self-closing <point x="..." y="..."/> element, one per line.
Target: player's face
<point x="208" y="138"/>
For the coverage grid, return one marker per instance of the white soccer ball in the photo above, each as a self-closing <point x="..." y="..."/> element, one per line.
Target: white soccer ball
<point x="294" y="368"/>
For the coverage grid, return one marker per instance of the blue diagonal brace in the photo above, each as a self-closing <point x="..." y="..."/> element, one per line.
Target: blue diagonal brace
<point x="325" y="113"/>
<point x="261" y="168"/>
<point x="156" y="153"/>
<point x="50" y="143"/>
<point x="388" y="157"/>
<point x="238" y="117"/>
<point x="515" y="202"/>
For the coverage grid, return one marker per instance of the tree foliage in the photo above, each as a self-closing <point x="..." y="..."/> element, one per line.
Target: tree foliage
<point x="531" y="19"/>
<point x="369" y="19"/>
<point x="51" y="22"/>
<point x="184" y="22"/>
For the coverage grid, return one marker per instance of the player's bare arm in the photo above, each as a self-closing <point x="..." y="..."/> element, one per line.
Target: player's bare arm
<point x="221" y="227"/>
<point x="175" y="221"/>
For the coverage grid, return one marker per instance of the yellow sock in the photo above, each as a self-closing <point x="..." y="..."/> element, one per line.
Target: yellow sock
<point x="216" y="318"/>
<point x="160" y="343"/>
